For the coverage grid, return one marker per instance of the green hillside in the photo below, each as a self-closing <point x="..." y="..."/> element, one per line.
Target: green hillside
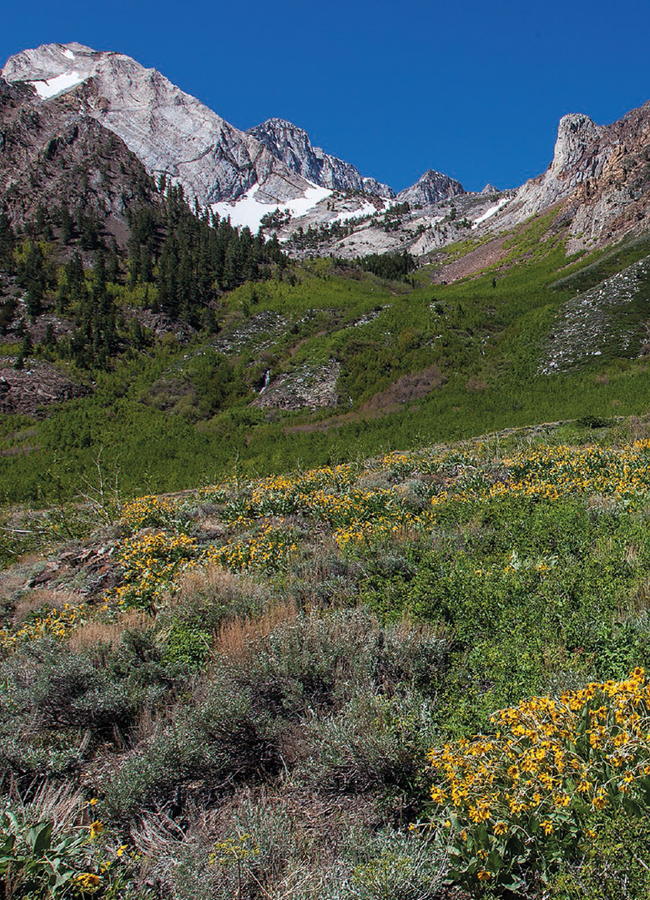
<point x="355" y="364"/>
<point x="287" y="686"/>
<point x="330" y="580"/>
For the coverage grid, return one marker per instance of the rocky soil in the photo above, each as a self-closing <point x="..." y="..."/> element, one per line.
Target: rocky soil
<point x="593" y="323"/>
<point x="33" y="389"/>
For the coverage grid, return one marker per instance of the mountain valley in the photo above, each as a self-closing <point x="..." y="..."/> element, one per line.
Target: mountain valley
<point x="324" y="538"/>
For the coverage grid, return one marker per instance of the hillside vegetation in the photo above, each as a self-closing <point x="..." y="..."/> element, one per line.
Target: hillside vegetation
<point x="184" y="366"/>
<point x="275" y="622"/>
<point x="287" y="687"/>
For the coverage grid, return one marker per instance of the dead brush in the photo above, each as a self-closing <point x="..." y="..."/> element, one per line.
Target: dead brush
<point x="237" y="638"/>
<point x="36" y="599"/>
<point x="207" y="595"/>
<point x="92" y="634"/>
<point x="322" y="578"/>
<point x="60" y="804"/>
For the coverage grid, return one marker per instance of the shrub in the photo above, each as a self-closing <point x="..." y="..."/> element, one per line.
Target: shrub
<point x="400" y="866"/>
<point x="375" y="744"/>
<point x="41" y="861"/>
<point x="207" y="749"/>
<point x="58" y="704"/>
<point x="317" y="663"/>
<point x="612" y="862"/>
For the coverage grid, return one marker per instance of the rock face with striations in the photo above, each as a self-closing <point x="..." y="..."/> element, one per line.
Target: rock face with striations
<point x="175" y="135"/>
<point x="50" y="154"/>
<point x="430" y="189"/>
<point x="171" y="132"/>
<point x="292" y="145"/>
<point x="577" y="156"/>
<point x="599" y="175"/>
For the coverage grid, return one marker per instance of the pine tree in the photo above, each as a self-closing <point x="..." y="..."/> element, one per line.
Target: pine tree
<point x="7" y="243"/>
<point x="27" y="346"/>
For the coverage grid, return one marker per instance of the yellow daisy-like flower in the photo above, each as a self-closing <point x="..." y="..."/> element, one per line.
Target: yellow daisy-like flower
<point x="96" y="829"/>
<point x="599" y="801"/>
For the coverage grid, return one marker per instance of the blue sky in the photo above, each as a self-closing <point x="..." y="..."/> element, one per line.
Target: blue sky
<point x="472" y="89"/>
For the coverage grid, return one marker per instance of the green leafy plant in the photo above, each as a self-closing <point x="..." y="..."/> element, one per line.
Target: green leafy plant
<point x="36" y="861"/>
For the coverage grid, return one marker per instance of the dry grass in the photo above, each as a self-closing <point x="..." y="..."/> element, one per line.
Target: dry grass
<point x="237" y="638"/>
<point x="91" y="634"/>
<point x="11" y="582"/>
<point x="637" y="602"/>
<point x="38" y="598"/>
<point x="206" y="592"/>
<point x="634" y="428"/>
<point x="57" y="803"/>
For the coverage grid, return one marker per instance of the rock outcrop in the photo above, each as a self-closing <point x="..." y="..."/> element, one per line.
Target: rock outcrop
<point x="49" y="153"/>
<point x="599" y="174"/>
<point x="430" y="189"/>
<point x="292" y="145"/>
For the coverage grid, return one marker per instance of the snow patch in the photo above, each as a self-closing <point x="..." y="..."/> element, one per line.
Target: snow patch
<point x="69" y="54"/>
<point x="57" y="85"/>
<point x="366" y="209"/>
<point x="247" y="211"/>
<point x="491" y="211"/>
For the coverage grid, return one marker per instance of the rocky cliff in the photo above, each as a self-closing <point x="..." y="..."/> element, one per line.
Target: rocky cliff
<point x="50" y="154"/>
<point x="599" y="174"/>
<point x="243" y="174"/>
<point x="430" y="189"/>
<point x="171" y="132"/>
<point x="292" y="145"/>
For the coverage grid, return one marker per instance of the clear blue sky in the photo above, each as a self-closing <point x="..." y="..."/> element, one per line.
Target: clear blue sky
<point x="473" y="89"/>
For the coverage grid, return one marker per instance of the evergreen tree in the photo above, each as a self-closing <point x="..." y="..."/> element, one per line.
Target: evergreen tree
<point x="113" y="264"/>
<point x="27" y="346"/>
<point x="65" y="222"/>
<point x="49" y="340"/>
<point x="34" y="276"/>
<point x="7" y="243"/>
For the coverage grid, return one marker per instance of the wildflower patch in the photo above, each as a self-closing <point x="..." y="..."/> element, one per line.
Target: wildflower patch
<point x="56" y="623"/>
<point x="525" y="793"/>
<point x="149" y="564"/>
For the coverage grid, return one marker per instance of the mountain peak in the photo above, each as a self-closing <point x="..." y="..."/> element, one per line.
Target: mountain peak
<point x="431" y="188"/>
<point x="576" y="135"/>
<point x="171" y="132"/>
<point x="293" y="146"/>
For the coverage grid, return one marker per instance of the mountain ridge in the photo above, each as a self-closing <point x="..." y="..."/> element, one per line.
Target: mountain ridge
<point x="292" y="145"/>
<point x="248" y="175"/>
